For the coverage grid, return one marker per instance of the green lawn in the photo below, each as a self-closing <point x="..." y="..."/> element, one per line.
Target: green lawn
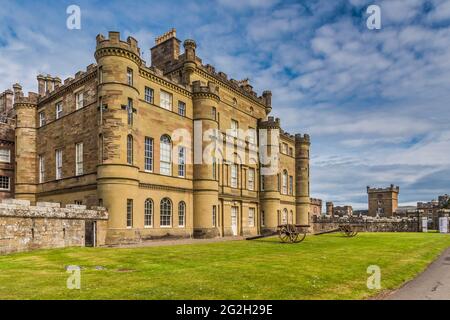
<point x="321" y="267"/>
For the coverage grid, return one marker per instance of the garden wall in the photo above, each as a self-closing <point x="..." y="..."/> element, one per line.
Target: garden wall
<point x="47" y="225"/>
<point x="322" y="224"/>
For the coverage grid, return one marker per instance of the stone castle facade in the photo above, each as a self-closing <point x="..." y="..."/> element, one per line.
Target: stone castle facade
<point x="383" y="202"/>
<point x="133" y="138"/>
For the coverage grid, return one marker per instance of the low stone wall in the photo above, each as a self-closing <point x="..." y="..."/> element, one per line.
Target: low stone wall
<point x="46" y="225"/>
<point x="367" y="224"/>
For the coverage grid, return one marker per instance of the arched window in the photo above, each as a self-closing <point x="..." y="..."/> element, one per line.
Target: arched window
<point x="130" y="149"/>
<point x="284" y="217"/>
<point x="285" y="182"/>
<point x="181" y="214"/>
<point x="148" y="213"/>
<point x="166" y="213"/>
<point x="165" y="155"/>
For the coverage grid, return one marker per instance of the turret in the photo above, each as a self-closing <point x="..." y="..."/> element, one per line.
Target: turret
<point x="302" y="145"/>
<point x="26" y="126"/>
<point x="206" y="182"/>
<point x="189" y="63"/>
<point x="118" y="72"/>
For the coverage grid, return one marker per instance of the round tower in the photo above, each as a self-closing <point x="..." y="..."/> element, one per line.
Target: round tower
<point x="302" y="201"/>
<point x="25" y="142"/>
<point x="117" y="175"/>
<point x="189" y="63"/>
<point x="269" y="132"/>
<point x="206" y="184"/>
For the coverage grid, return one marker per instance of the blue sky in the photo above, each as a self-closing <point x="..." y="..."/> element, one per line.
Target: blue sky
<point x="376" y="102"/>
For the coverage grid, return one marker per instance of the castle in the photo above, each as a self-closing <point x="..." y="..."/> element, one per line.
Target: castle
<point x="383" y="202"/>
<point x="173" y="148"/>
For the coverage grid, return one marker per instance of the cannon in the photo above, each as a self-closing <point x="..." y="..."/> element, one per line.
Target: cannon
<point x="288" y="233"/>
<point x="347" y="230"/>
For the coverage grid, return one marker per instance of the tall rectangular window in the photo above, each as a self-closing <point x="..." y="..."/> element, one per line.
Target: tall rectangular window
<point x="214" y="216"/>
<point x="181" y="108"/>
<point x="263" y="219"/>
<point x="148" y="154"/>
<point x="262" y="183"/>
<point x="59" y="110"/>
<point x="100" y="74"/>
<point x="165" y="150"/>
<point x="129" y="213"/>
<point x="291" y="185"/>
<point x="79" y="100"/>
<point x="79" y="159"/>
<point x="234" y="175"/>
<point x="41" y="119"/>
<point x="251" y="135"/>
<point x="130" y="111"/>
<point x="149" y="94"/>
<point x="234" y="128"/>
<point x="58" y="161"/>
<point x="214" y="168"/>
<point x="130" y="149"/>
<point x="130" y="76"/>
<point x="214" y="113"/>
<point x="181" y="161"/>
<point x="251" y="217"/>
<point x="165" y="100"/>
<point x="4" y="183"/>
<point x="251" y="179"/>
<point x="41" y="169"/>
<point x="5" y="155"/>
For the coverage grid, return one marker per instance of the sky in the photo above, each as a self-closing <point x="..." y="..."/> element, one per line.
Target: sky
<point x="375" y="102"/>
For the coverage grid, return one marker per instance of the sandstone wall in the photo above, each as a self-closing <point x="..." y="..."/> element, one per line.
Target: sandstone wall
<point x="46" y="225"/>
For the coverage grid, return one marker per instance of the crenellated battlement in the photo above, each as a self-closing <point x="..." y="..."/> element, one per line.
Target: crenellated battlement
<point x="200" y="89"/>
<point x="302" y="138"/>
<point x="391" y="188"/>
<point x="113" y="45"/>
<point x="270" y="123"/>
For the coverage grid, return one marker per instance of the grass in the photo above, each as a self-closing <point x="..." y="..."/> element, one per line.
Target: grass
<point x="322" y="267"/>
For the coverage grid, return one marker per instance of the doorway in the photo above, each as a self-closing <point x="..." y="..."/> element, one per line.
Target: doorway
<point x="90" y="233"/>
<point x="234" y="215"/>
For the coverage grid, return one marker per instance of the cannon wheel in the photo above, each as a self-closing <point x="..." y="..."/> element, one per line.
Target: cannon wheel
<point x="349" y="231"/>
<point x="289" y="234"/>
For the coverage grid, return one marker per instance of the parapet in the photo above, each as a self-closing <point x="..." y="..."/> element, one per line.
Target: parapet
<point x="391" y="188"/>
<point x="172" y="33"/>
<point x="113" y="42"/>
<point x="210" y="88"/>
<point x="315" y="201"/>
<point x="50" y="210"/>
<point x="302" y="138"/>
<point x="270" y="123"/>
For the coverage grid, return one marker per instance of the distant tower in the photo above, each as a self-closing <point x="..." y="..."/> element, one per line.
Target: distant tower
<point x="302" y="201"/>
<point x="330" y="208"/>
<point x="383" y="201"/>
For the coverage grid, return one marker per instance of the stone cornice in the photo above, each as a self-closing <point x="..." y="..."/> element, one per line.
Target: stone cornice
<point x="163" y="82"/>
<point x="166" y="188"/>
<point x="120" y="52"/>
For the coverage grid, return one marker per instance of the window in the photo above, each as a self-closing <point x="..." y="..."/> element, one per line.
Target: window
<point x="148" y="213"/>
<point x="284" y="217"/>
<point x="129" y="213"/>
<point x="41" y="119"/>
<point x="263" y="218"/>
<point x="251" y="135"/>
<point x="214" y="168"/>
<point x="234" y="175"/>
<point x="130" y="111"/>
<point x="4" y="183"/>
<point x="181" y="108"/>
<point x="291" y="185"/>
<point x="262" y="183"/>
<point x="166" y="213"/>
<point x="234" y="128"/>
<point x="100" y="74"/>
<point x="79" y="100"/>
<point x="251" y="179"/>
<point x="5" y="155"/>
<point x="130" y="76"/>
<point x="251" y="217"/>
<point x="79" y="159"/>
<point x="41" y="169"/>
<point x="78" y="202"/>
<point x="284" y="182"/>
<point x="181" y="161"/>
<point x="214" y="113"/>
<point x="130" y="149"/>
<point x="291" y="152"/>
<point x="166" y="156"/>
<point x="58" y="156"/>
<point x="166" y="100"/>
<point x="59" y="110"/>
<point x="149" y="94"/>
<point x="181" y="214"/>
<point x="148" y="154"/>
<point x="214" y="216"/>
<point x="285" y="148"/>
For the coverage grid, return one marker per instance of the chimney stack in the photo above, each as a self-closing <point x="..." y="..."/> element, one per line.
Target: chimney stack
<point x="166" y="49"/>
<point x="41" y="85"/>
<point x="17" y="91"/>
